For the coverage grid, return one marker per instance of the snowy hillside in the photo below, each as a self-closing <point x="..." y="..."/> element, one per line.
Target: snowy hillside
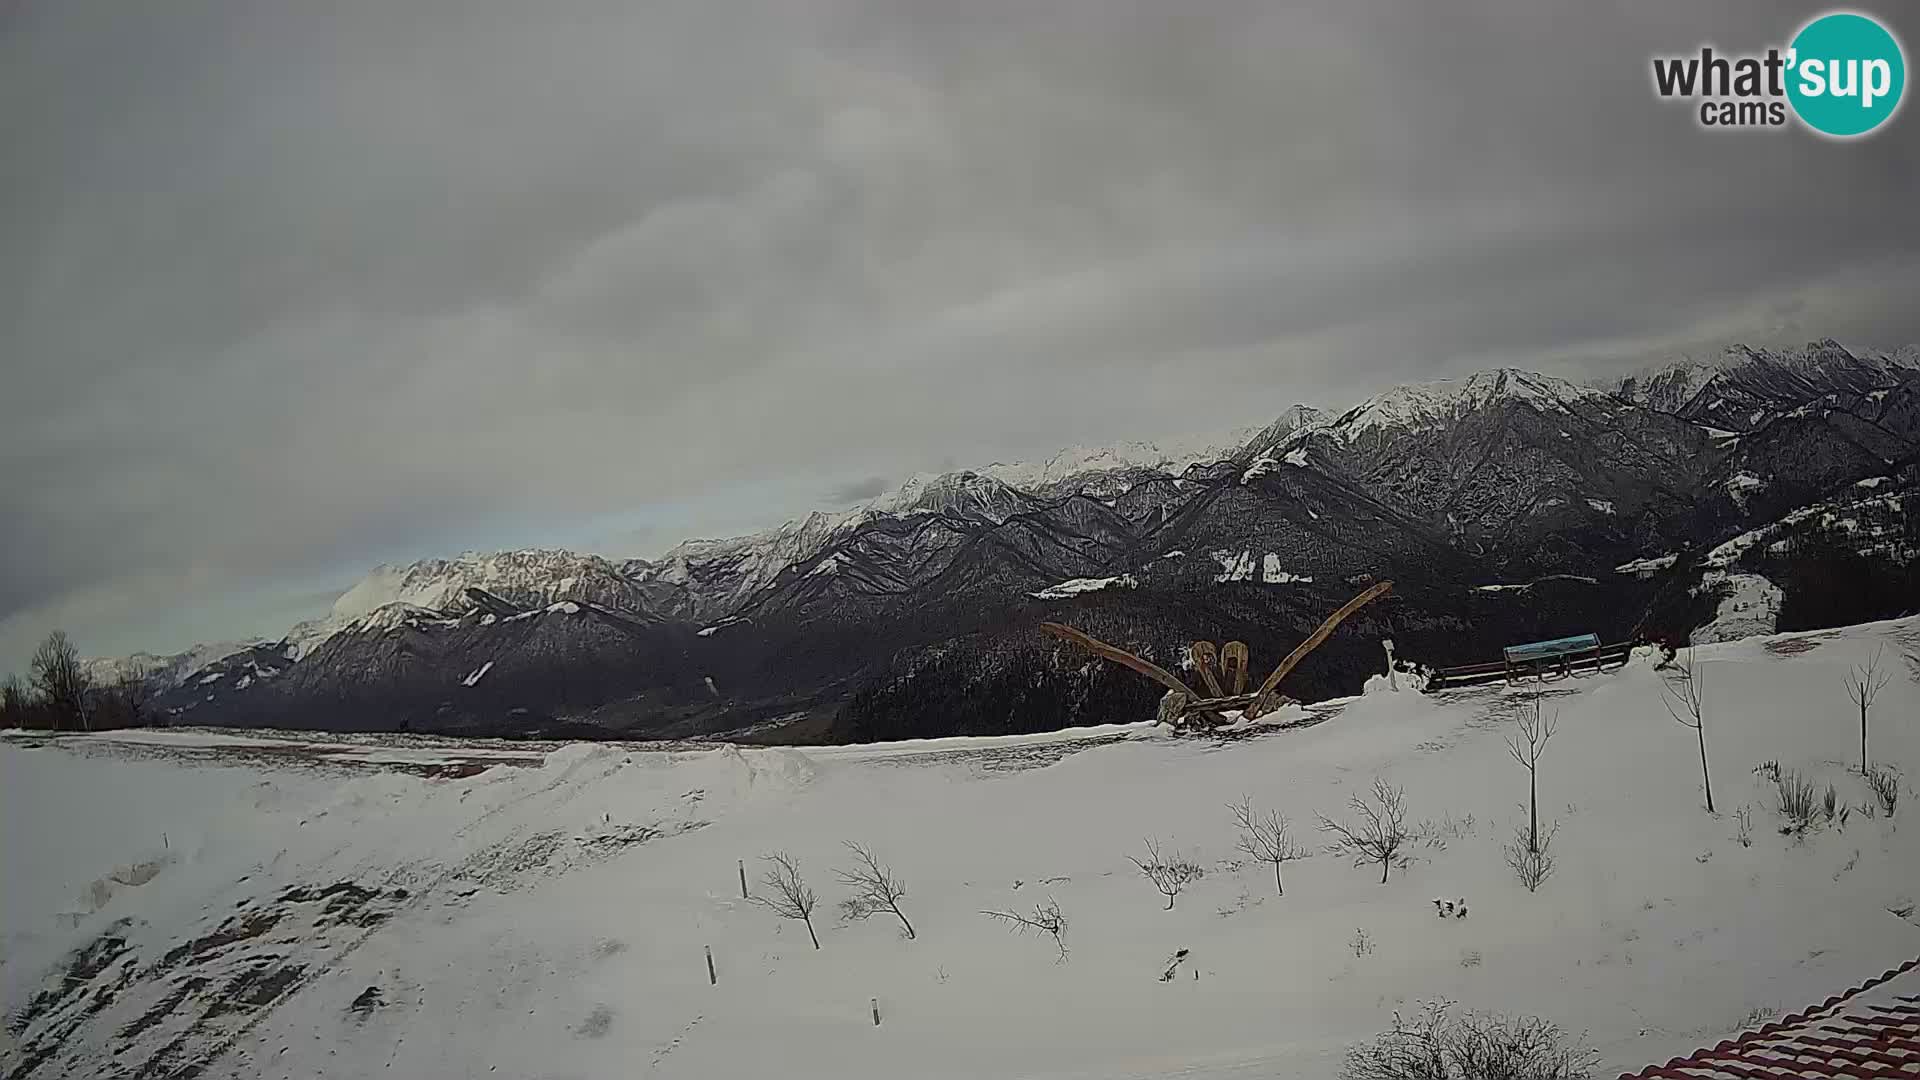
<point x="273" y="906"/>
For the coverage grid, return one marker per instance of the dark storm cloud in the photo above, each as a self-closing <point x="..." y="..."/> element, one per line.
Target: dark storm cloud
<point x="289" y="288"/>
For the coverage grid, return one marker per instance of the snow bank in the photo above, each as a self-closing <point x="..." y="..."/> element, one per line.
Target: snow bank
<point x="553" y="920"/>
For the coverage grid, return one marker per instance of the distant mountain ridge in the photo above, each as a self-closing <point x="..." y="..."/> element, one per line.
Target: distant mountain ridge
<point x="1501" y="477"/>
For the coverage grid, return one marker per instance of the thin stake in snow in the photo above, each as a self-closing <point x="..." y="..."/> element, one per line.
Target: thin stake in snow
<point x="876" y="1011"/>
<point x="743" y="878"/>
<point x="1864" y="683"/>
<point x="713" y="977"/>
<point x="1685" y="700"/>
<point x="790" y="898"/>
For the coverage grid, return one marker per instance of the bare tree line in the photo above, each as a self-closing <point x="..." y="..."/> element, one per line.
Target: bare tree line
<point x="61" y="694"/>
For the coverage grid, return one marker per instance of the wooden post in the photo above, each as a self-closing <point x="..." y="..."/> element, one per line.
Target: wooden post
<point x="713" y="977"/>
<point x="1392" y="683"/>
<point x="743" y="879"/>
<point x="876" y="1012"/>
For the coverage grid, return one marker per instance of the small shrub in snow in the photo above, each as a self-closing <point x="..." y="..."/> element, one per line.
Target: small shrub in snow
<point x="1885" y="784"/>
<point x="1743" y="817"/>
<point x="1441" y="1044"/>
<point x="1266" y="839"/>
<point x="1046" y="919"/>
<point x="1362" y="945"/>
<point x="1378" y="832"/>
<point x="1437" y="834"/>
<point x="1530" y="855"/>
<point x="1848" y="866"/>
<point x="1830" y="802"/>
<point x="787" y="894"/>
<point x="1768" y="769"/>
<point x="1169" y="875"/>
<point x="875" y="888"/>
<point x="1796" y="802"/>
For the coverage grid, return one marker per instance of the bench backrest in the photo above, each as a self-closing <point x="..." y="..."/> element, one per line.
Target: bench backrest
<point x="1549" y="650"/>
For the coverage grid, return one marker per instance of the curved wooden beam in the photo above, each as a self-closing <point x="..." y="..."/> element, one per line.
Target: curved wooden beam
<point x="1119" y="656"/>
<point x="1263" y="698"/>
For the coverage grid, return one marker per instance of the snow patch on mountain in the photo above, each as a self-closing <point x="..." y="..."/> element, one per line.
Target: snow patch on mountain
<point x="1750" y="607"/>
<point x="1076" y="586"/>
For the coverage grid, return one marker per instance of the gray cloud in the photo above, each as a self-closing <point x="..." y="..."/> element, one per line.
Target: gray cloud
<point x="857" y="490"/>
<point x="285" y="290"/>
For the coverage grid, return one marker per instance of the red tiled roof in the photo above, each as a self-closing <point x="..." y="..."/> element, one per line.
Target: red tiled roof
<point x="1869" y="1032"/>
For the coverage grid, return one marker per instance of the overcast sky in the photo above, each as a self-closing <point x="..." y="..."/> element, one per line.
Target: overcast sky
<point x="289" y="289"/>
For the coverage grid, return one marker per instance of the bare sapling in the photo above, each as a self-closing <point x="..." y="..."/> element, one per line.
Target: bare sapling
<point x="1526" y="744"/>
<point x="1685" y="698"/>
<point x="1046" y="919"/>
<point x="875" y="888"/>
<point x="1378" y="831"/>
<point x="1864" y="683"/>
<point x="1266" y="839"/>
<point x="1169" y="874"/>
<point x="787" y="894"/>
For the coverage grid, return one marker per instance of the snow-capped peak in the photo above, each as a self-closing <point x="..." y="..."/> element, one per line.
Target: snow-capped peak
<point x="1422" y="405"/>
<point x="1173" y="455"/>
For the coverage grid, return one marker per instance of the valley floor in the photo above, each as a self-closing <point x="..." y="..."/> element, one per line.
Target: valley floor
<point x="214" y="905"/>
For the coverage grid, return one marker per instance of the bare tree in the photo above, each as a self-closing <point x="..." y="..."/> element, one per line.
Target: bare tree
<point x="62" y="680"/>
<point x="1526" y="744"/>
<point x="1265" y="839"/>
<point x="15" y="703"/>
<point x="124" y="702"/>
<point x="875" y="888"/>
<point x="1379" y="831"/>
<point x="1168" y="875"/>
<point x="1685" y="700"/>
<point x="787" y="893"/>
<point x="1046" y="919"/>
<point x="1864" y="684"/>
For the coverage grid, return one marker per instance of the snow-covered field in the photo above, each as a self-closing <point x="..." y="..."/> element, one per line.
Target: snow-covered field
<point x="247" y="913"/>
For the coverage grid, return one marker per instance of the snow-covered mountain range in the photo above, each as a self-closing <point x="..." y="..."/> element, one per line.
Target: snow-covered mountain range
<point x="1502" y="477"/>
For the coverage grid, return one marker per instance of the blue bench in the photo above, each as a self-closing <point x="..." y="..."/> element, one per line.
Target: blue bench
<point x="1539" y="655"/>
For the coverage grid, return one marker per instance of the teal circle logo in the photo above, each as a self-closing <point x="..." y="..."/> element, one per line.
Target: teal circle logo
<point x="1846" y="75"/>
